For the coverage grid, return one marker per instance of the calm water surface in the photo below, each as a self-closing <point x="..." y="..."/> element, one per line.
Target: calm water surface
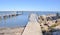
<point x="18" y="21"/>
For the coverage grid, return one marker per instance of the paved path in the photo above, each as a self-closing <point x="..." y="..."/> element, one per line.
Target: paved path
<point x="33" y="27"/>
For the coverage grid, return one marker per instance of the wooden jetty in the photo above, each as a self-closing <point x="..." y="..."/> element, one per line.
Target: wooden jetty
<point x="10" y="15"/>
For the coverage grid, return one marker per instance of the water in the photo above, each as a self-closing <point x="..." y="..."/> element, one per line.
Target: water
<point x="15" y="21"/>
<point x="20" y="20"/>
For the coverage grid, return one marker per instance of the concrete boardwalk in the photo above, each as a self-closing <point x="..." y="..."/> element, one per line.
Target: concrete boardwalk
<point x="33" y="27"/>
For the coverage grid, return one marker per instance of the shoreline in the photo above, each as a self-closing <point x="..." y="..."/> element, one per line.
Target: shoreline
<point x="12" y="31"/>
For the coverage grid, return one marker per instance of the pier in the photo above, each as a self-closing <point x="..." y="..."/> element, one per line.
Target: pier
<point x="33" y="27"/>
<point x="10" y="15"/>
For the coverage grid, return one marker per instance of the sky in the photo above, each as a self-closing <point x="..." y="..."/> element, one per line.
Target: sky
<point x="29" y="5"/>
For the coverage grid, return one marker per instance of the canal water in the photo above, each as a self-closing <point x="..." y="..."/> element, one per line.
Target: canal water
<point x="20" y="20"/>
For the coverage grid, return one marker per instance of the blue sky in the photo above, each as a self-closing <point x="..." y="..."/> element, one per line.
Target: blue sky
<point x="29" y="5"/>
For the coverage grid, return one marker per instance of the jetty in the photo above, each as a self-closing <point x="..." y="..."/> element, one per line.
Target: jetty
<point x="10" y="15"/>
<point x="33" y="27"/>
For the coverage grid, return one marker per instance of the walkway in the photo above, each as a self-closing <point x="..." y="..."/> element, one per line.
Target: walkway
<point x="33" y="27"/>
